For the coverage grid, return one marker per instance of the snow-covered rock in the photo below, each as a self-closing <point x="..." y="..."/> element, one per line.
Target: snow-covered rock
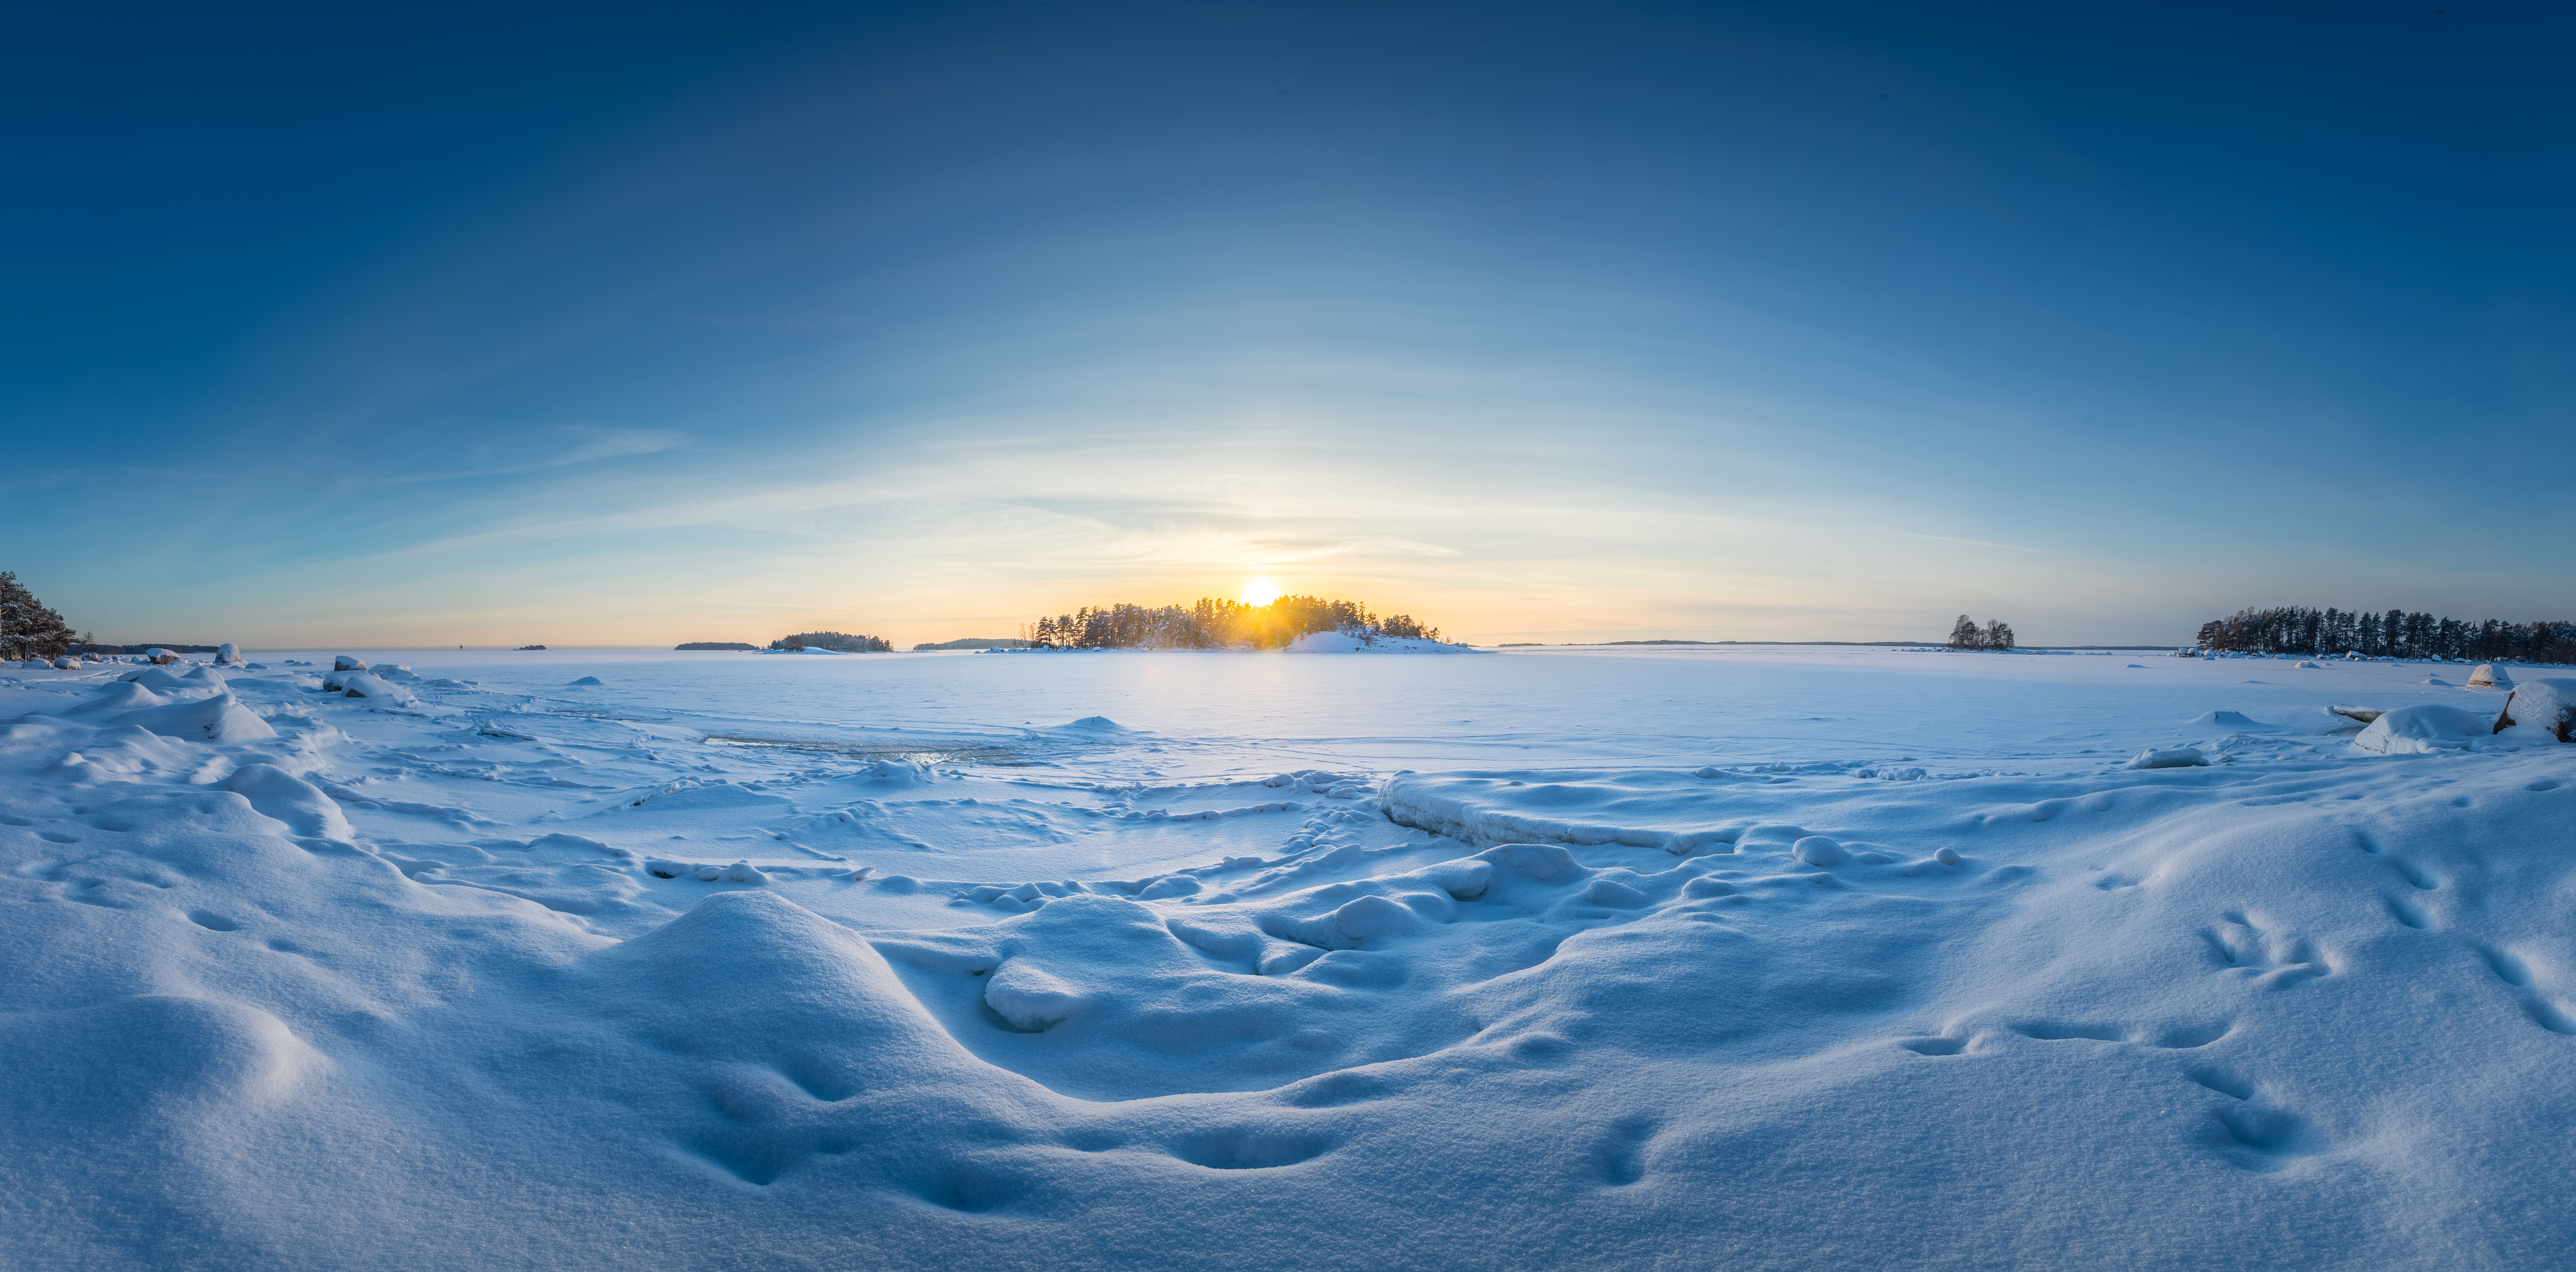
<point x="2490" y="676"/>
<point x="2549" y="705"/>
<point x="348" y="662"/>
<point x="228" y="653"/>
<point x="360" y="684"/>
<point x="2176" y="757"/>
<point x="2424" y="727"/>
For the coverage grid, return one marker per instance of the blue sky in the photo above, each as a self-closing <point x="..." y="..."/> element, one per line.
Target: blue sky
<point x="637" y="324"/>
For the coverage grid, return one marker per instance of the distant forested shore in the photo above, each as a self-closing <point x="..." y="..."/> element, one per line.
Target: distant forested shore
<point x="1213" y="623"/>
<point x="2332" y="633"/>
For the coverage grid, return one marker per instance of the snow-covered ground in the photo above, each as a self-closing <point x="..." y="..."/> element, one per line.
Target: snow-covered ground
<point x="1673" y="957"/>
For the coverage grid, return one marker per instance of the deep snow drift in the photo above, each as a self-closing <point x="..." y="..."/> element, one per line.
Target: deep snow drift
<point x="1677" y="957"/>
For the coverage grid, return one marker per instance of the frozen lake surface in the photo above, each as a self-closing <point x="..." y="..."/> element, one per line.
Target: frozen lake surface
<point x="1704" y="956"/>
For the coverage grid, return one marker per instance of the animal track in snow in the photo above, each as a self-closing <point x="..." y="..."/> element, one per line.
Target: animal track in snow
<point x="2413" y="875"/>
<point x="1620" y="1156"/>
<point x="1250" y="1149"/>
<point x="2168" y="1038"/>
<point x="2253" y="1134"/>
<point x="2546" y="1012"/>
<point x="2271" y="957"/>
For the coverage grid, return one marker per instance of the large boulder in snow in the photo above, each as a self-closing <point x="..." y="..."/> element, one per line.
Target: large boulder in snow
<point x="2544" y="704"/>
<point x="160" y="655"/>
<point x="228" y="652"/>
<point x="2422" y="728"/>
<point x="348" y="662"/>
<point x="2489" y="676"/>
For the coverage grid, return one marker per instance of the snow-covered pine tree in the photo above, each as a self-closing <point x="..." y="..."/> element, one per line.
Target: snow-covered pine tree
<point x="27" y="628"/>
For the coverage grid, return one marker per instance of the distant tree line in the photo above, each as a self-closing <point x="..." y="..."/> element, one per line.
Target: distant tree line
<point x="1213" y="623"/>
<point x="2296" y="629"/>
<point x="716" y="644"/>
<point x="1965" y="634"/>
<point x="838" y="642"/>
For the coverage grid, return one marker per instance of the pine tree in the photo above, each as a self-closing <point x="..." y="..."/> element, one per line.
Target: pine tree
<point x="27" y="628"/>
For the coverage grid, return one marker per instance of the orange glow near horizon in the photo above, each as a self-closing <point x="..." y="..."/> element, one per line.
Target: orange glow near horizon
<point x="1261" y="591"/>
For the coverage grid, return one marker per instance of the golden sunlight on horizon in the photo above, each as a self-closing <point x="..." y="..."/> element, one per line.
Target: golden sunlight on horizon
<point x="1261" y="591"/>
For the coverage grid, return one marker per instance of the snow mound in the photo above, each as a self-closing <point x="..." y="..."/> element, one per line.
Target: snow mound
<point x="827" y="1013"/>
<point x="593" y="681"/>
<point x="896" y="773"/>
<point x="282" y="796"/>
<point x="142" y="1076"/>
<point x="1095" y="724"/>
<point x="162" y="678"/>
<point x="216" y="719"/>
<point x="2422" y="728"/>
<point x="2548" y="705"/>
<point x="122" y="696"/>
<point x="2229" y="720"/>
<point x="2437" y="680"/>
<point x="2308" y="665"/>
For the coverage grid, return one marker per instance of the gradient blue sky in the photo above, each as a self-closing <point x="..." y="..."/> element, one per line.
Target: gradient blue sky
<point x="645" y="323"/>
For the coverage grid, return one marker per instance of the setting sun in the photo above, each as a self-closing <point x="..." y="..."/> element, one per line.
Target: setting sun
<point x="1261" y="591"/>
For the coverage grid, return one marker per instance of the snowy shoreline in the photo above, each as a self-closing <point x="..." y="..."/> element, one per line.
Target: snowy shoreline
<point x="1641" y="954"/>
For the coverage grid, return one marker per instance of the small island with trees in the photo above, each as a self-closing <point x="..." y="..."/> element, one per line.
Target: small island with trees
<point x="1214" y="623"/>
